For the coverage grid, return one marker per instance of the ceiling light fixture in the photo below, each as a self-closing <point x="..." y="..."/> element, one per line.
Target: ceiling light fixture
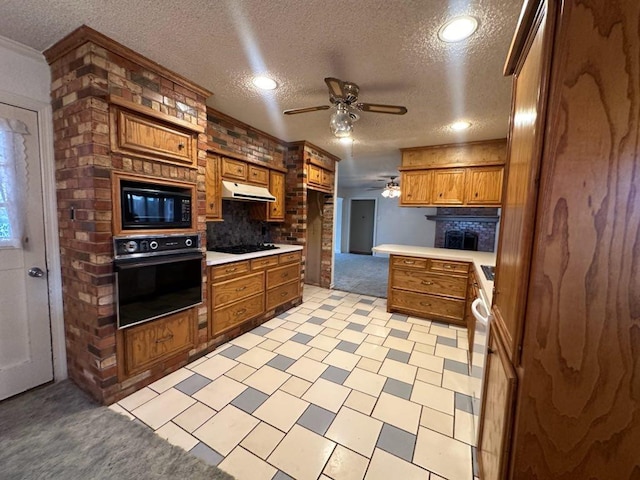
<point x="391" y="189"/>
<point x="459" y="126"/>
<point x="346" y="140"/>
<point x="264" y="83"/>
<point x="341" y="124"/>
<point x="458" y="29"/>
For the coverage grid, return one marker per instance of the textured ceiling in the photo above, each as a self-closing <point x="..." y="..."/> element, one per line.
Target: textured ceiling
<point x="389" y="48"/>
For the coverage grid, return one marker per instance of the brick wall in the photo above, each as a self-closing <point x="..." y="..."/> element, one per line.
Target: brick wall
<point x="486" y="231"/>
<point x="86" y="67"/>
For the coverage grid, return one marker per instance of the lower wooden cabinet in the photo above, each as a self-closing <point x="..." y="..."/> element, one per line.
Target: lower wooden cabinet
<point x="226" y="318"/>
<point x="428" y="287"/>
<point x="157" y="340"/>
<point x="235" y="300"/>
<point x="498" y="399"/>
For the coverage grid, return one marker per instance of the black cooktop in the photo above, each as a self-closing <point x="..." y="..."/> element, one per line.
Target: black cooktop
<point x="240" y="249"/>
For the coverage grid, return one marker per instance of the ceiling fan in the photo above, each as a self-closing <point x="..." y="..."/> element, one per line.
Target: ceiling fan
<point x="344" y="98"/>
<point x="391" y="188"/>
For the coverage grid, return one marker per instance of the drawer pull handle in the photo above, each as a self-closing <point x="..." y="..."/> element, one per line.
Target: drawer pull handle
<point x="446" y="265"/>
<point x="427" y="282"/>
<point x="180" y="146"/>
<point x="240" y="289"/>
<point x="229" y="270"/>
<point x="240" y="312"/>
<point x="425" y="304"/>
<point x="409" y="262"/>
<point x="283" y="294"/>
<point x="284" y="275"/>
<point x="165" y="339"/>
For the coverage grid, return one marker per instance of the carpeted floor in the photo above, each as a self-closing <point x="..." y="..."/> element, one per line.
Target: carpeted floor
<point x="363" y="274"/>
<point x="58" y="432"/>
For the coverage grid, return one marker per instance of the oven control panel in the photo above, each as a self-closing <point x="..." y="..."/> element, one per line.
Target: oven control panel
<point x="143" y="245"/>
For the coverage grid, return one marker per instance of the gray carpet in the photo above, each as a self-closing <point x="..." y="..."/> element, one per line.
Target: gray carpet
<point x="364" y="274"/>
<point x="58" y="432"/>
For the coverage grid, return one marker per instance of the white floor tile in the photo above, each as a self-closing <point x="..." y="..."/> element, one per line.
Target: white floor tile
<point x="385" y="466"/>
<point x="443" y="455"/>
<point x="226" y="429"/>
<point x="307" y="369"/>
<point x="215" y="366"/>
<point x="302" y="454"/>
<point x="340" y="359"/>
<point x="164" y="407"/>
<point x="177" y="436"/>
<point x="194" y="416"/>
<point x="398" y="370"/>
<point x="281" y="410"/>
<point x="243" y="465"/>
<point x="345" y="464"/>
<point x="219" y="392"/>
<point x="434" y="397"/>
<point x="267" y="379"/>
<point x="398" y="412"/>
<point x="262" y="440"/>
<point x="355" y="431"/>
<point x="366" y="382"/>
<point x="327" y="395"/>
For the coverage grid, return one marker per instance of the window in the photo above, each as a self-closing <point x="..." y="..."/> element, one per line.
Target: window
<point x="12" y="182"/>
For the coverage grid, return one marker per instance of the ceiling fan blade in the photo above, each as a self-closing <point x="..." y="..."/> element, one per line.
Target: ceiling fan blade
<point x="336" y="87"/>
<point x="377" y="108"/>
<point x="293" y="111"/>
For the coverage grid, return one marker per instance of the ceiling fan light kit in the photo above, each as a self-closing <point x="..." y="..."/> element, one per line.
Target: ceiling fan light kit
<point x="391" y="189"/>
<point x="344" y="98"/>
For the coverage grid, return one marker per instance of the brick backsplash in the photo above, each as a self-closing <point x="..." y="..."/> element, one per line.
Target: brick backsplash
<point x="238" y="227"/>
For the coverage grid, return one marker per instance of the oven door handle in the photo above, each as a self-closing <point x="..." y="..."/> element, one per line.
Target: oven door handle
<point x="163" y="260"/>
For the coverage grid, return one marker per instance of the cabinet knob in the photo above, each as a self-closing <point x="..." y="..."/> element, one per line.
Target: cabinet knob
<point x="283" y="294"/>
<point x="180" y="146"/>
<point x="476" y="194"/>
<point x="440" y="195"/>
<point x="240" y="312"/>
<point x="425" y="304"/>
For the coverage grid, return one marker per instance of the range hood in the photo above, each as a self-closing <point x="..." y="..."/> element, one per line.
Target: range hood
<point x="242" y="191"/>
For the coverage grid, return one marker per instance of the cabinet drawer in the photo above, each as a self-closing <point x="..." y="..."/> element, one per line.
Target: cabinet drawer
<point x="408" y="262"/>
<point x="314" y="175"/>
<point x="159" y="339"/>
<point x="226" y="318"/>
<point x="263" y="262"/>
<point x="234" y="169"/>
<point x="135" y="134"/>
<point x="327" y="179"/>
<point x="229" y="269"/>
<point x="446" y="266"/>
<point x="428" y="305"/>
<point x="424" y="282"/>
<point x="290" y="257"/>
<point x="232" y="290"/>
<point x="280" y="275"/>
<point x="258" y="175"/>
<point x="282" y="294"/>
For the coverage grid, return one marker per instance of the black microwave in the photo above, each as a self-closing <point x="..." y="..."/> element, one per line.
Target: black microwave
<point x="152" y="206"/>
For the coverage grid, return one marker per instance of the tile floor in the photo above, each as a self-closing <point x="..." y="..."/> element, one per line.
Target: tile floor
<point x="336" y="388"/>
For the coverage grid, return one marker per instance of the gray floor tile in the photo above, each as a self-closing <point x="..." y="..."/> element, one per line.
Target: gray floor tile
<point x="474" y="457"/>
<point x="316" y="419"/>
<point x="463" y="402"/>
<point x="335" y="374"/>
<point x="398" y="333"/>
<point x="281" y="362"/>
<point x="439" y="324"/>
<point x="364" y="313"/>
<point x="475" y="402"/>
<point x="282" y="476"/>
<point x="397" y="442"/>
<point x="477" y="372"/>
<point x="327" y="307"/>
<point x="302" y="338"/>
<point x="209" y="455"/>
<point x="317" y="320"/>
<point x="283" y="316"/>
<point x="398" y="355"/>
<point x="455" y="366"/>
<point x="397" y="316"/>
<point x="336" y="297"/>
<point x="452" y="342"/>
<point x="191" y="385"/>
<point x="355" y="326"/>
<point x="233" y="351"/>
<point x="366" y="300"/>
<point x="347" y="346"/>
<point x="260" y="330"/>
<point x="398" y="388"/>
<point x="249" y="400"/>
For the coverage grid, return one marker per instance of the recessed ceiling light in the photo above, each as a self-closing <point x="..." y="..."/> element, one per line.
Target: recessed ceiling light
<point x="458" y="29"/>
<point x="265" y="83"/>
<point x="346" y="140"/>
<point x="459" y="126"/>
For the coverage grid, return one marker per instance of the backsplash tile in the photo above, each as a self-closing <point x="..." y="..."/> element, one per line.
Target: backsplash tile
<point x="238" y="227"/>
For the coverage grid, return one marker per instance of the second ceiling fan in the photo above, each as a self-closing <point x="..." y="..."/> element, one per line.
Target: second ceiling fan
<point x="344" y="98"/>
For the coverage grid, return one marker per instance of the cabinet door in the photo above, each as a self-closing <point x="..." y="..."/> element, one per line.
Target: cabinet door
<point x="497" y="411"/>
<point x="484" y="186"/>
<point x="234" y="169"/>
<point x="472" y="294"/>
<point x="328" y="180"/>
<point x="276" y="187"/>
<point x="448" y="187"/>
<point x="258" y="175"/>
<point x="415" y="188"/>
<point x="314" y="175"/>
<point x="213" y="191"/>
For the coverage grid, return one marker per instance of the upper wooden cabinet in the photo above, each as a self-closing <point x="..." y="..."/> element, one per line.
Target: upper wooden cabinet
<point x="142" y="132"/>
<point x="448" y="187"/>
<point x="319" y="178"/>
<point x="258" y="175"/>
<point x="478" y="154"/>
<point x="213" y="191"/>
<point x="234" y="169"/>
<point x="483" y="186"/>
<point x="416" y="187"/>
<point x="275" y="210"/>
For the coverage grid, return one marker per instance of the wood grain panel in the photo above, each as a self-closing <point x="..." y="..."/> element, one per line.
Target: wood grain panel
<point x="232" y="290"/>
<point x="448" y="266"/>
<point x="448" y="309"/>
<point x="448" y="187"/>
<point x="234" y="169"/>
<point x="290" y="257"/>
<point x="282" y="294"/>
<point x="418" y="281"/>
<point x="580" y="417"/>
<point x="408" y="262"/>
<point x="213" y="189"/>
<point x="484" y="186"/>
<point x="228" y="317"/>
<point x="284" y="274"/>
<point x="416" y="187"/>
<point x="258" y="175"/>
<point x="263" y="262"/>
<point x="520" y="194"/>
<point x="492" y="152"/>
<point x="228" y="270"/>
<point x="276" y="187"/>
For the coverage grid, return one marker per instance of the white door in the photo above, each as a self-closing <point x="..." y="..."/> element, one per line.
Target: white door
<point x="25" y="327"/>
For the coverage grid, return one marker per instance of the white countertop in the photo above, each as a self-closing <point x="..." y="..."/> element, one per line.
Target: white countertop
<point x="219" y="258"/>
<point x="476" y="258"/>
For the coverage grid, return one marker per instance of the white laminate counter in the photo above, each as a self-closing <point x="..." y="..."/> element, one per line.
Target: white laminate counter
<point x="219" y="258"/>
<point x="476" y="258"/>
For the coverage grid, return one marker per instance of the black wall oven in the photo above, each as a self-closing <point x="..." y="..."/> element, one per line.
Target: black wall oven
<point x="156" y="276"/>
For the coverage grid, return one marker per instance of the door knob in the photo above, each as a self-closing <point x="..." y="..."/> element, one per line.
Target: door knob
<point x="36" y="272"/>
